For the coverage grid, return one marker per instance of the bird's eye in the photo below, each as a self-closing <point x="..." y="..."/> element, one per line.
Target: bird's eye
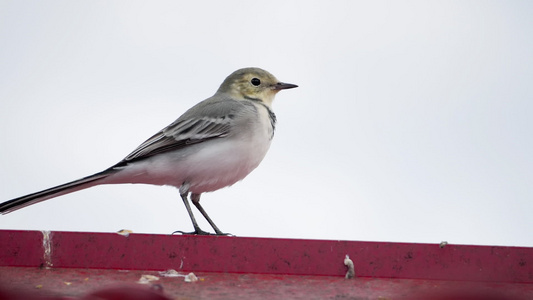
<point x="255" y="81"/>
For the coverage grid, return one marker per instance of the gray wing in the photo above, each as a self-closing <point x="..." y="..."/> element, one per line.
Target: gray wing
<point x="207" y="120"/>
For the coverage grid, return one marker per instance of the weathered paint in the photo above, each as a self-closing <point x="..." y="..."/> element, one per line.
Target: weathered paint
<point x="268" y="256"/>
<point x="261" y="267"/>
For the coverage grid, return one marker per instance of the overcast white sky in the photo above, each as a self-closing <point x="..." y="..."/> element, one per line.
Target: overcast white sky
<point x="412" y="121"/>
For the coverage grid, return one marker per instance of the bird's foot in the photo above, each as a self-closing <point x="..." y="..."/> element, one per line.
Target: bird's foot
<point x="196" y="232"/>
<point x="225" y="234"/>
<point x="201" y="232"/>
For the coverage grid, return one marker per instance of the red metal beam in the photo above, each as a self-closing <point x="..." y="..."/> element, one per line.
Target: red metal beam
<point x="267" y="256"/>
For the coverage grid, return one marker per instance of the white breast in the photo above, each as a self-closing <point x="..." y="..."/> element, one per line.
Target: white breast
<point x="227" y="161"/>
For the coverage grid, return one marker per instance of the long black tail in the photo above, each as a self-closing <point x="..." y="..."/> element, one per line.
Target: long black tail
<point x="76" y="185"/>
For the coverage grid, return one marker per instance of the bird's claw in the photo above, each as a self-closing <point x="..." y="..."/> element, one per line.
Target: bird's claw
<point x="196" y="232"/>
<point x="200" y="232"/>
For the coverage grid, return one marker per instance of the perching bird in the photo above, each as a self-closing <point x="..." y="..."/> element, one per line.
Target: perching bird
<point x="214" y="144"/>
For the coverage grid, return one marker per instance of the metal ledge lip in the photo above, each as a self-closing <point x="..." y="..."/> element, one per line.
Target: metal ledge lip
<point x="265" y="256"/>
<point x="269" y="262"/>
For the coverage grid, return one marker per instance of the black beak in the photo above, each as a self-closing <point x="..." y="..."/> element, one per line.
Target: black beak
<point x="283" y="86"/>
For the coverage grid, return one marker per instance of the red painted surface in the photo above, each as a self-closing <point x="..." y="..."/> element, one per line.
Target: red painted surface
<point x="310" y="266"/>
<point x="20" y="248"/>
<point x="268" y="256"/>
<point x="35" y="283"/>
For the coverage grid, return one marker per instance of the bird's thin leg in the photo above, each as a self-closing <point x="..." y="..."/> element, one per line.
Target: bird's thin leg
<point x="184" y="192"/>
<point x="195" y="198"/>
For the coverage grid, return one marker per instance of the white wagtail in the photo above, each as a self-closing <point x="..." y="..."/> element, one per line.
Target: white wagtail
<point x="214" y="144"/>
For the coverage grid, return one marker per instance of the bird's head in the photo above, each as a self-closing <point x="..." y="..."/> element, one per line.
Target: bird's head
<point x="253" y="84"/>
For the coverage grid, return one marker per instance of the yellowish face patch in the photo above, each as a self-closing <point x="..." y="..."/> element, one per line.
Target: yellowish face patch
<point x="252" y="84"/>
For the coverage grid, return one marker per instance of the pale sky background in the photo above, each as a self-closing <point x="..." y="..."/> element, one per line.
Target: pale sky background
<point x="412" y="121"/>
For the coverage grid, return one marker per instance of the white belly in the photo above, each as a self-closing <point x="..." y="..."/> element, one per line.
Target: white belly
<point x="224" y="164"/>
<point x="206" y="166"/>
